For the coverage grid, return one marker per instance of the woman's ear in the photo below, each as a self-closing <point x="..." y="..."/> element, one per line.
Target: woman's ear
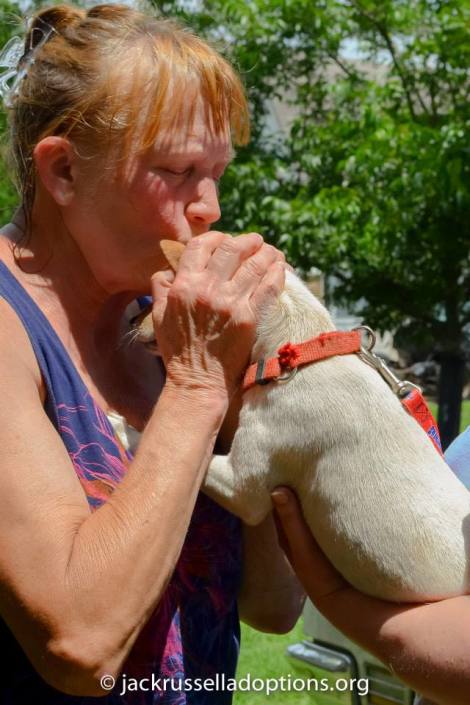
<point x="55" y="162"/>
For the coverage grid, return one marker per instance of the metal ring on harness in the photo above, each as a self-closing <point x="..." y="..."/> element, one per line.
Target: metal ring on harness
<point x="286" y="376"/>
<point x="406" y="387"/>
<point x="372" y="338"/>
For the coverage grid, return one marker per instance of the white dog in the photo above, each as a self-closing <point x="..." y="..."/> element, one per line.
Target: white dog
<point x="381" y="502"/>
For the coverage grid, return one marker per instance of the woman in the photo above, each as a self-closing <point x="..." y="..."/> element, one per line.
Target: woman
<point x="112" y="563"/>
<point x="426" y="645"/>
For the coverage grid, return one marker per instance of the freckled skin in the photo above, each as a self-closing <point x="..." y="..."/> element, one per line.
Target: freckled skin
<point x="172" y="194"/>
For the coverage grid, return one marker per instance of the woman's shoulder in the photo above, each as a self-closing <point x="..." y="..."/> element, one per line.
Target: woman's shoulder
<point x="16" y="352"/>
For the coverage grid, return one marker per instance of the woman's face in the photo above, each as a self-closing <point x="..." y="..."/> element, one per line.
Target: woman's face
<point x="169" y="192"/>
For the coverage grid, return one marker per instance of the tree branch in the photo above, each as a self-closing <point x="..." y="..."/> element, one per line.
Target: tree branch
<point x="391" y="48"/>
<point x="343" y="66"/>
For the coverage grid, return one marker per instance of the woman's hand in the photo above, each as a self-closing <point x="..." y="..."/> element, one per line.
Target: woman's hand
<point x="426" y="645"/>
<point x="318" y="576"/>
<point x="205" y="316"/>
<point x="361" y="617"/>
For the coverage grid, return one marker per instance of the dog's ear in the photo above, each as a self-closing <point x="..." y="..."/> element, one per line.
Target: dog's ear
<point x="172" y="251"/>
<point x="142" y="324"/>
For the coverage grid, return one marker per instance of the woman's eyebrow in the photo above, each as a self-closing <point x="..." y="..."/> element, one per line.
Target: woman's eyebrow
<point x="196" y="155"/>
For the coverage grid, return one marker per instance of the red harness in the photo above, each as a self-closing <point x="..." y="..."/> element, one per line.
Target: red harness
<point x="292" y="355"/>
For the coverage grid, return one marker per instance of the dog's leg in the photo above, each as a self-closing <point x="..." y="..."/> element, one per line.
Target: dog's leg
<point x="219" y="482"/>
<point x="221" y="485"/>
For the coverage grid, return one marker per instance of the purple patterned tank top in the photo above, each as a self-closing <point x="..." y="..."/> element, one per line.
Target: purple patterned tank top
<point x="194" y="632"/>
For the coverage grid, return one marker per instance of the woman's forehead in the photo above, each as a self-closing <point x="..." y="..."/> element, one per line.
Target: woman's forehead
<point x="195" y="143"/>
<point x="196" y="132"/>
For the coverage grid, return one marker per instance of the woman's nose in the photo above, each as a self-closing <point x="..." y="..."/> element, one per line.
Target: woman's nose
<point x="203" y="208"/>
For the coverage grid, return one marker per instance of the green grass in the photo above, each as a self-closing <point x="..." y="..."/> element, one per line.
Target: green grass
<point x="465" y="415"/>
<point x="465" y="421"/>
<point x="465" y="418"/>
<point x="263" y="656"/>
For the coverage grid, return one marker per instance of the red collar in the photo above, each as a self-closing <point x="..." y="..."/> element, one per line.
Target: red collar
<point x="292" y="355"/>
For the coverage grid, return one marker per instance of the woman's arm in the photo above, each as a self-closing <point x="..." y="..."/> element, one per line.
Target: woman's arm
<point x="270" y="598"/>
<point x="77" y="587"/>
<point x="426" y="645"/>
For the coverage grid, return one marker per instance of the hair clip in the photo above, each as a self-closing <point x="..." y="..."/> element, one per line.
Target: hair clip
<point x="9" y="60"/>
<point x="16" y="60"/>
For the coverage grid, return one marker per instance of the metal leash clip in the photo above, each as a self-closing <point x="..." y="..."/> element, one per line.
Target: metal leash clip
<point x="398" y="386"/>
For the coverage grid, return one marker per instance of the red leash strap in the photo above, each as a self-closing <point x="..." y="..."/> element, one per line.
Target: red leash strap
<point x="416" y="405"/>
<point x="292" y="355"/>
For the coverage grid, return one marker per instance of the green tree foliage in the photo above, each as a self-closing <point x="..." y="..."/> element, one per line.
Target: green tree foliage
<point x="10" y="15"/>
<point x="372" y="183"/>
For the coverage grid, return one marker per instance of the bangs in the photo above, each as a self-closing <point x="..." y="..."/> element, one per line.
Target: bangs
<point x="166" y="82"/>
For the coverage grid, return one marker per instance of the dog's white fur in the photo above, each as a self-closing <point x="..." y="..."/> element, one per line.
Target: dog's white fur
<point x="383" y="505"/>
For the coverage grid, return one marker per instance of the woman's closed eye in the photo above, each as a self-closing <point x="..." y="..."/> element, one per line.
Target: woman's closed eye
<point x="179" y="172"/>
<point x="189" y="171"/>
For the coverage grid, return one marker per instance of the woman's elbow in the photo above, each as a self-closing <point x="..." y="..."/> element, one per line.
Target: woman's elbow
<point x="272" y="621"/>
<point x="79" y="667"/>
<point x="281" y="624"/>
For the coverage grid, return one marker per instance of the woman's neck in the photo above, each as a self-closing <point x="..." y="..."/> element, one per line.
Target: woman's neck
<point x="89" y="320"/>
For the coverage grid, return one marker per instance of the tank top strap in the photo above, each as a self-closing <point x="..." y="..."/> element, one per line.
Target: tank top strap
<point x="48" y="349"/>
<point x="99" y="459"/>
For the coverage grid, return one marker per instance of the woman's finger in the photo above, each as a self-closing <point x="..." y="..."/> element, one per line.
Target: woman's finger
<point x="230" y="255"/>
<point x="199" y="250"/>
<point x="269" y="288"/>
<point x="161" y="283"/>
<point x="253" y="269"/>
<point x="281" y="536"/>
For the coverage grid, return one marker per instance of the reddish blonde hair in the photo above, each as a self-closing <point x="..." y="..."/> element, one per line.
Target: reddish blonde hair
<point x="111" y="78"/>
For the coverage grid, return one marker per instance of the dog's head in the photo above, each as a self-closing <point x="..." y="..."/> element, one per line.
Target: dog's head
<point x="297" y="315"/>
<point x="142" y="324"/>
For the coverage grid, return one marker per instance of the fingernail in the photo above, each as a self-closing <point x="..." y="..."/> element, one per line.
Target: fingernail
<point x="280" y="499"/>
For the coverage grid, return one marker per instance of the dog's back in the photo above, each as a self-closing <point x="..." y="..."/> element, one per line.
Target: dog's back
<point x="382" y="503"/>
